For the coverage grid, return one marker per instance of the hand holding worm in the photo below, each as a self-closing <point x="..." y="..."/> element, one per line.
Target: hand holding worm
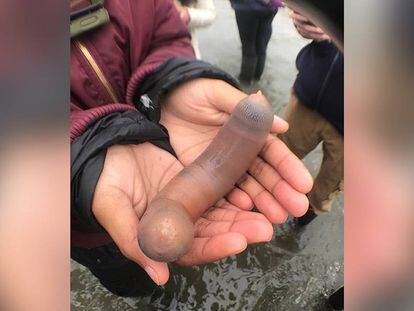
<point x="166" y="230"/>
<point x="134" y="174"/>
<point x="276" y="181"/>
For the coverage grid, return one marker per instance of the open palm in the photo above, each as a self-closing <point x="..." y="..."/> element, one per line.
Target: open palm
<point x="132" y="176"/>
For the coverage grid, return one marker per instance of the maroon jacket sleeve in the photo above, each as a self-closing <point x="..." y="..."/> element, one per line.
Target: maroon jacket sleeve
<point x="170" y="39"/>
<point x="155" y="56"/>
<point x="167" y="37"/>
<point x="80" y="119"/>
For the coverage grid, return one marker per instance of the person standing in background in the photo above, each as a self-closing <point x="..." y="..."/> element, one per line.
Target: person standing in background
<point x="316" y="114"/>
<point x="196" y="14"/>
<point x="254" y="20"/>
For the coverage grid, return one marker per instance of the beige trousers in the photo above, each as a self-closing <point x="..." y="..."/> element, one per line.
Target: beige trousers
<point x="307" y="128"/>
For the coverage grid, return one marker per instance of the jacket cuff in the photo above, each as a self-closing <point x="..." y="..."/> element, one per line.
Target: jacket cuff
<point x="167" y="76"/>
<point x="88" y="153"/>
<point x="81" y="120"/>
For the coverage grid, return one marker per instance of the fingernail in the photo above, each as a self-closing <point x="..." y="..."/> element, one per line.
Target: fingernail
<point x="259" y="92"/>
<point x="153" y="275"/>
<point x="277" y="118"/>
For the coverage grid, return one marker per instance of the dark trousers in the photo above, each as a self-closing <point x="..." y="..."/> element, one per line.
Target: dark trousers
<point x="118" y="274"/>
<point x="255" y="29"/>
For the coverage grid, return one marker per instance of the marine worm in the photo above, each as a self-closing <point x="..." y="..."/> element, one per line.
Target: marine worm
<point x="166" y="230"/>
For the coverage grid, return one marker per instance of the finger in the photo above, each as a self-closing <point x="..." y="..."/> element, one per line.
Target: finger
<point x="268" y="177"/>
<point x="240" y="199"/>
<point x="306" y="25"/>
<point x="298" y="17"/>
<point x="323" y="38"/>
<point x="279" y="125"/>
<point x="289" y="167"/>
<point x="224" y="204"/>
<point x="226" y="96"/>
<point x="222" y="214"/>
<point x="312" y="33"/>
<point x="205" y="250"/>
<point x="299" y="24"/>
<point x="113" y="210"/>
<point x="306" y="33"/>
<point x="263" y="200"/>
<point x="255" y="231"/>
<point x="294" y="201"/>
<point x="265" y="174"/>
<point x="312" y="29"/>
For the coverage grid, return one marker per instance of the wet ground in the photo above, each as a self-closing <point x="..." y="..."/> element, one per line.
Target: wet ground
<point x="297" y="270"/>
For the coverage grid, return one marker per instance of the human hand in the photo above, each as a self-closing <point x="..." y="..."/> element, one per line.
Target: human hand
<point x="132" y="176"/>
<point x="306" y="29"/>
<point x="277" y="180"/>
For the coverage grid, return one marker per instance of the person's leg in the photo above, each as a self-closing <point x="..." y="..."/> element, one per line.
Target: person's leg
<point x="247" y="23"/>
<point x="264" y="33"/>
<point x="329" y="182"/>
<point x="304" y="128"/>
<point x="118" y="274"/>
<point x="304" y="135"/>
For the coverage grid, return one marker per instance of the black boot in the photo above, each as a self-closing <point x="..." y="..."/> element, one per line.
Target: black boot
<point x="248" y="69"/>
<point x="307" y="218"/>
<point x="336" y="300"/>
<point x="261" y="60"/>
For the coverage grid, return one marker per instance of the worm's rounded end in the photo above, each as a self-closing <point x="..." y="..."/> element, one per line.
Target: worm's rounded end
<point x="256" y="112"/>
<point x="166" y="233"/>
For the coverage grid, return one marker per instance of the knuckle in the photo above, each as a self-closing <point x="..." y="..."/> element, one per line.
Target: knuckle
<point x="243" y="181"/>
<point x="268" y="145"/>
<point x="258" y="167"/>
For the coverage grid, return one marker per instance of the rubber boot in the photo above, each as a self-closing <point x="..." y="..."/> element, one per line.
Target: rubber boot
<point x="248" y="68"/>
<point x="261" y="60"/>
<point x="336" y="300"/>
<point x="307" y="218"/>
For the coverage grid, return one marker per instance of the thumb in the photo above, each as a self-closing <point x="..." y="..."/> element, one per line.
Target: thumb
<point x="114" y="211"/>
<point x="279" y="125"/>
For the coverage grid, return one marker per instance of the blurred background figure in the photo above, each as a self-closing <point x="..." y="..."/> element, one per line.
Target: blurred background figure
<point x="196" y="14"/>
<point x="254" y="20"/>
<point x="316" y="114"/>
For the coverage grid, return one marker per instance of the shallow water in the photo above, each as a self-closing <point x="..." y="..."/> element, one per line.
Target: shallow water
<point x="297" y="270"/>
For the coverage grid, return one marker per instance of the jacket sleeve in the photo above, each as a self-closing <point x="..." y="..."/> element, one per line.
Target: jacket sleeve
<point x="88" y="153"/>
<point x="203" y="14"/>
<point x="168" y="63"/>
<point x="81" y="120"/>
<point x="175" y="71"/>
<point x="170" y="38"/>
<point x="129" y="125"/>
<point x="94" y="130"/>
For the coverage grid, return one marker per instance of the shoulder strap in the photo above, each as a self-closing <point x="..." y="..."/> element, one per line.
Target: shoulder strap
<point x="87" y="15"/>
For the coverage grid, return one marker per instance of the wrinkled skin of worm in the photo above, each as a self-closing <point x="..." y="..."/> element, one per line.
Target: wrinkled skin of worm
<point x="166" y="230"/>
